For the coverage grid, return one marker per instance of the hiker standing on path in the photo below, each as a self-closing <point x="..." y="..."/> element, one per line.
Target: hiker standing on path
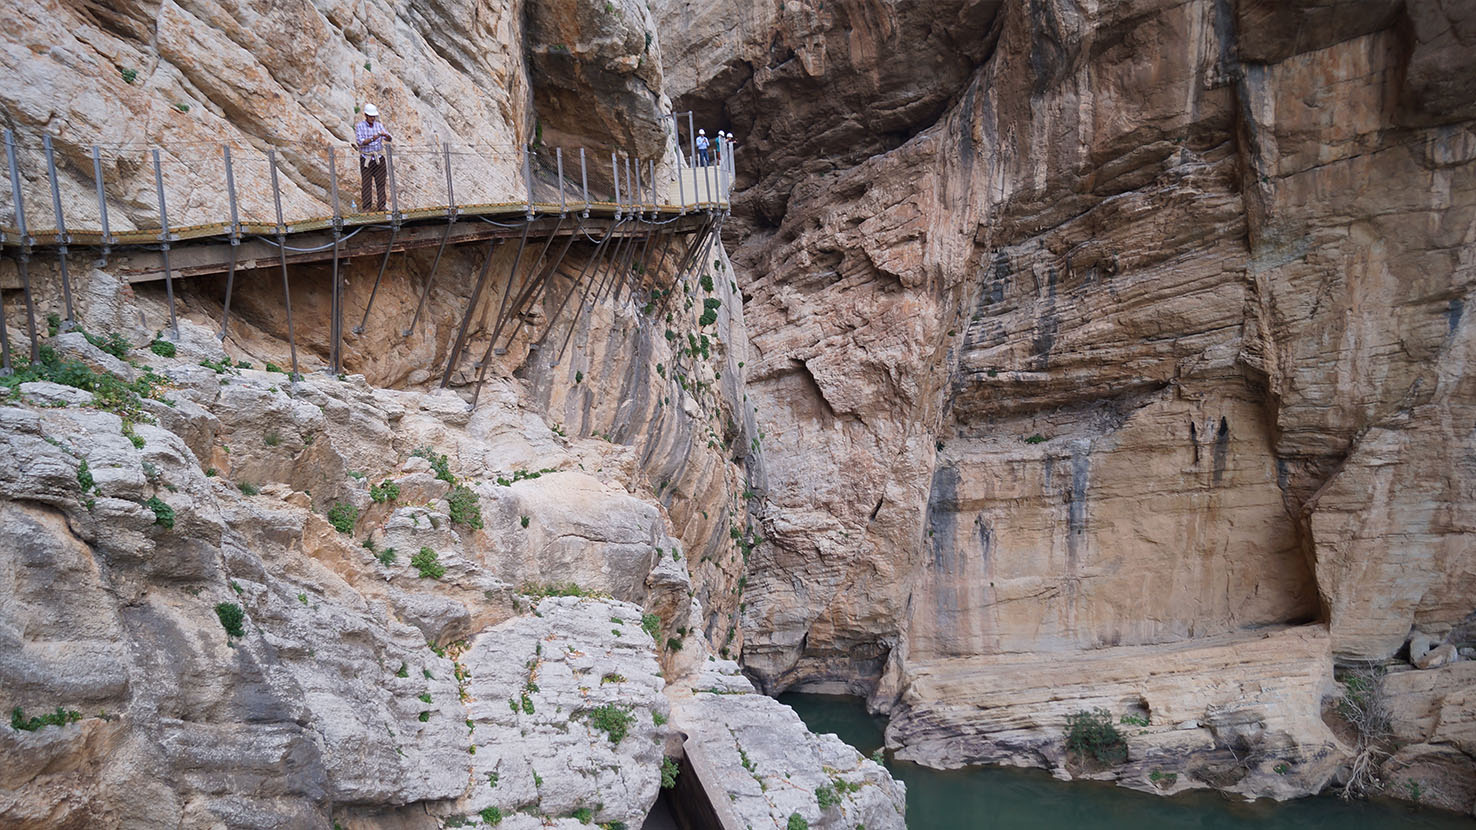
<point x="702" y="144"/>
<point x="370" y="136"/>
<point x="718" y="146"/>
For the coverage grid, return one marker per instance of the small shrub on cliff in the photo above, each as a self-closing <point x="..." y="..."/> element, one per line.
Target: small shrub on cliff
<point x="61" y="717"/>
<point x="343" y="516"/>
<point x="163" y="513"/>
<point x="466" y="507"/>
<point x="491" y="816"/>
<point x="162" y="348"/>
<point x="84" y="476"/>
<point x="612" y="720"/>
<point x="384" y="491"/>
<point x="584" y="815"/>
<point x="428" y="563"/>
<point x="651" y="624"/>
<point x="129" y="75"/>
<point x="231" y="616"/>
<point x="797" y="822"/>
<point x="440" y="463"/>
<point x="113" y="344"/>
<point x="825" y="796"/>
<point x="568" y="589"/>
<point x="709" y="311"/>
<point x="386" y="556"/>
<point x="1091" y="734"/>
<point x="249" y="489"/>
<point x="109" y="392"/>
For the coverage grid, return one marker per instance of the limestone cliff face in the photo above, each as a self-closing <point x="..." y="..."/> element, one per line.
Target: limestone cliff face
<point x="396" y="664"/>
<point x="1148" y="325"/>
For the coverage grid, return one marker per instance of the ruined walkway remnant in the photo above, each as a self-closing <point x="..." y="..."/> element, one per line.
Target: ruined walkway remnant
<point x="285" y="206"/>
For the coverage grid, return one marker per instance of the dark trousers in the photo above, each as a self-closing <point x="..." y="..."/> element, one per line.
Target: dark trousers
<point x="371" y="177"/>
<point x="702" y="156"/>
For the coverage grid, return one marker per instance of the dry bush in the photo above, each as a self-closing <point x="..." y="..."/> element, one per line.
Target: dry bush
<point x="1366" y="710"/>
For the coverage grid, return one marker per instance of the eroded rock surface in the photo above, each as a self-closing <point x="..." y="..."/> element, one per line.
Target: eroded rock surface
<point x="1155" y="330"/>
<point x="770" y="767"/>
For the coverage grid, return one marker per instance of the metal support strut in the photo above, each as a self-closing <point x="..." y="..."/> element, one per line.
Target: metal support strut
<point x="61" y="227"/>
<point x="470" y="309"/>
<point x="282" y="251"/>
<point x="164" y="236"/>
<point x="225" y="316"/>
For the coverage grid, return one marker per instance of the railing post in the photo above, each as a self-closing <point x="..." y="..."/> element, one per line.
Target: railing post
<point x="681" y="188"/>
<point x="528" y="179"/>
<point x="282" y="252"/>
<point x="164" y="237"/>
<point x="615" y="176"/>
<point x="389" y="164"/>
<point x="15" y="191"/>
<point x="631" y="193"/>
<point x="692" y="137"/>
<point x="559" y="154"/>
<point x="584" y="181"/>
<point x="62" y="239"/>
<point x="655" y="204"/>
<point x="451" y="211"/>
<point x="102" y="201"/>
<point x="23" y="259"/>
<point x="235" y="236"/>
<point x="333" y="186"/>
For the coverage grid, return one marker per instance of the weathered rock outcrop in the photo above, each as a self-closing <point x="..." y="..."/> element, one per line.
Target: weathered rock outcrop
<point x="1153" y="330"/>
<point x="385" y="545"/>
<point x="772" y="767"/>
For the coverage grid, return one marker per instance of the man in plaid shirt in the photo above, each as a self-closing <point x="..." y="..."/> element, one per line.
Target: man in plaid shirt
<point x="370" y="136"/>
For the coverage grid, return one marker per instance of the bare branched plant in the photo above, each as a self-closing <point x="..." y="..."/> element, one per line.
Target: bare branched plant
<point x="1365" y="709"/>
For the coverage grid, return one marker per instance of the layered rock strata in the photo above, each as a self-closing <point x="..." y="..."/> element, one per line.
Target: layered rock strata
<point x="1153" y="331"/>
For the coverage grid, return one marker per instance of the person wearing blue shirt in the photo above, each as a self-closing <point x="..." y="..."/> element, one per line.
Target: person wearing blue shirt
<point x="702" y="145"/>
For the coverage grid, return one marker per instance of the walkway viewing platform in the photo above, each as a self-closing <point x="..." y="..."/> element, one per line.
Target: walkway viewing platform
<point x="156" y="213"/>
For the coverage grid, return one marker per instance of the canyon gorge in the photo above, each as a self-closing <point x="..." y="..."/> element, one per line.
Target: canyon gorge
<point x="1062" y="357"/>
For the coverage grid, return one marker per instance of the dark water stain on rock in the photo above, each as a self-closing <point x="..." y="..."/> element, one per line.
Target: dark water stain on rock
<point x="1222" y="449"/>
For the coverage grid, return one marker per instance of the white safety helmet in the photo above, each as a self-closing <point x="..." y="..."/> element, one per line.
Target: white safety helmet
<point x="371" y="110"/>
<point x="702" y="132"/>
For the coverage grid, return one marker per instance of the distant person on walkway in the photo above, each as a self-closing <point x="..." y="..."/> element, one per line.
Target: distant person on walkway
<point x="370" y="135"/>
<point x="702" y="145"/>
<point x="718" y="147"/>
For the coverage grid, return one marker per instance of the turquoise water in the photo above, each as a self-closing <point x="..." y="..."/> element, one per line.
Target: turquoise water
<point x="999" y="798"/>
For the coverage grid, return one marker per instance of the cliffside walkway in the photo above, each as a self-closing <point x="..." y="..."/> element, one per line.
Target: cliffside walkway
<point x="247" y="208"/>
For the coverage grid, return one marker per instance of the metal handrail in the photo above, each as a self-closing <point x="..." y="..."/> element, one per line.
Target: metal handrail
<point x="90" y="195"/>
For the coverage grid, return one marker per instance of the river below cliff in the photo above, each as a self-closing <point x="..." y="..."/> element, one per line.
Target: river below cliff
<point x="1001" y="798"/>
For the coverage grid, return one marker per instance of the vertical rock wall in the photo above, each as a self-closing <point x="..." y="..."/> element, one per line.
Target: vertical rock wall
<point x="1151" y="329"/>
